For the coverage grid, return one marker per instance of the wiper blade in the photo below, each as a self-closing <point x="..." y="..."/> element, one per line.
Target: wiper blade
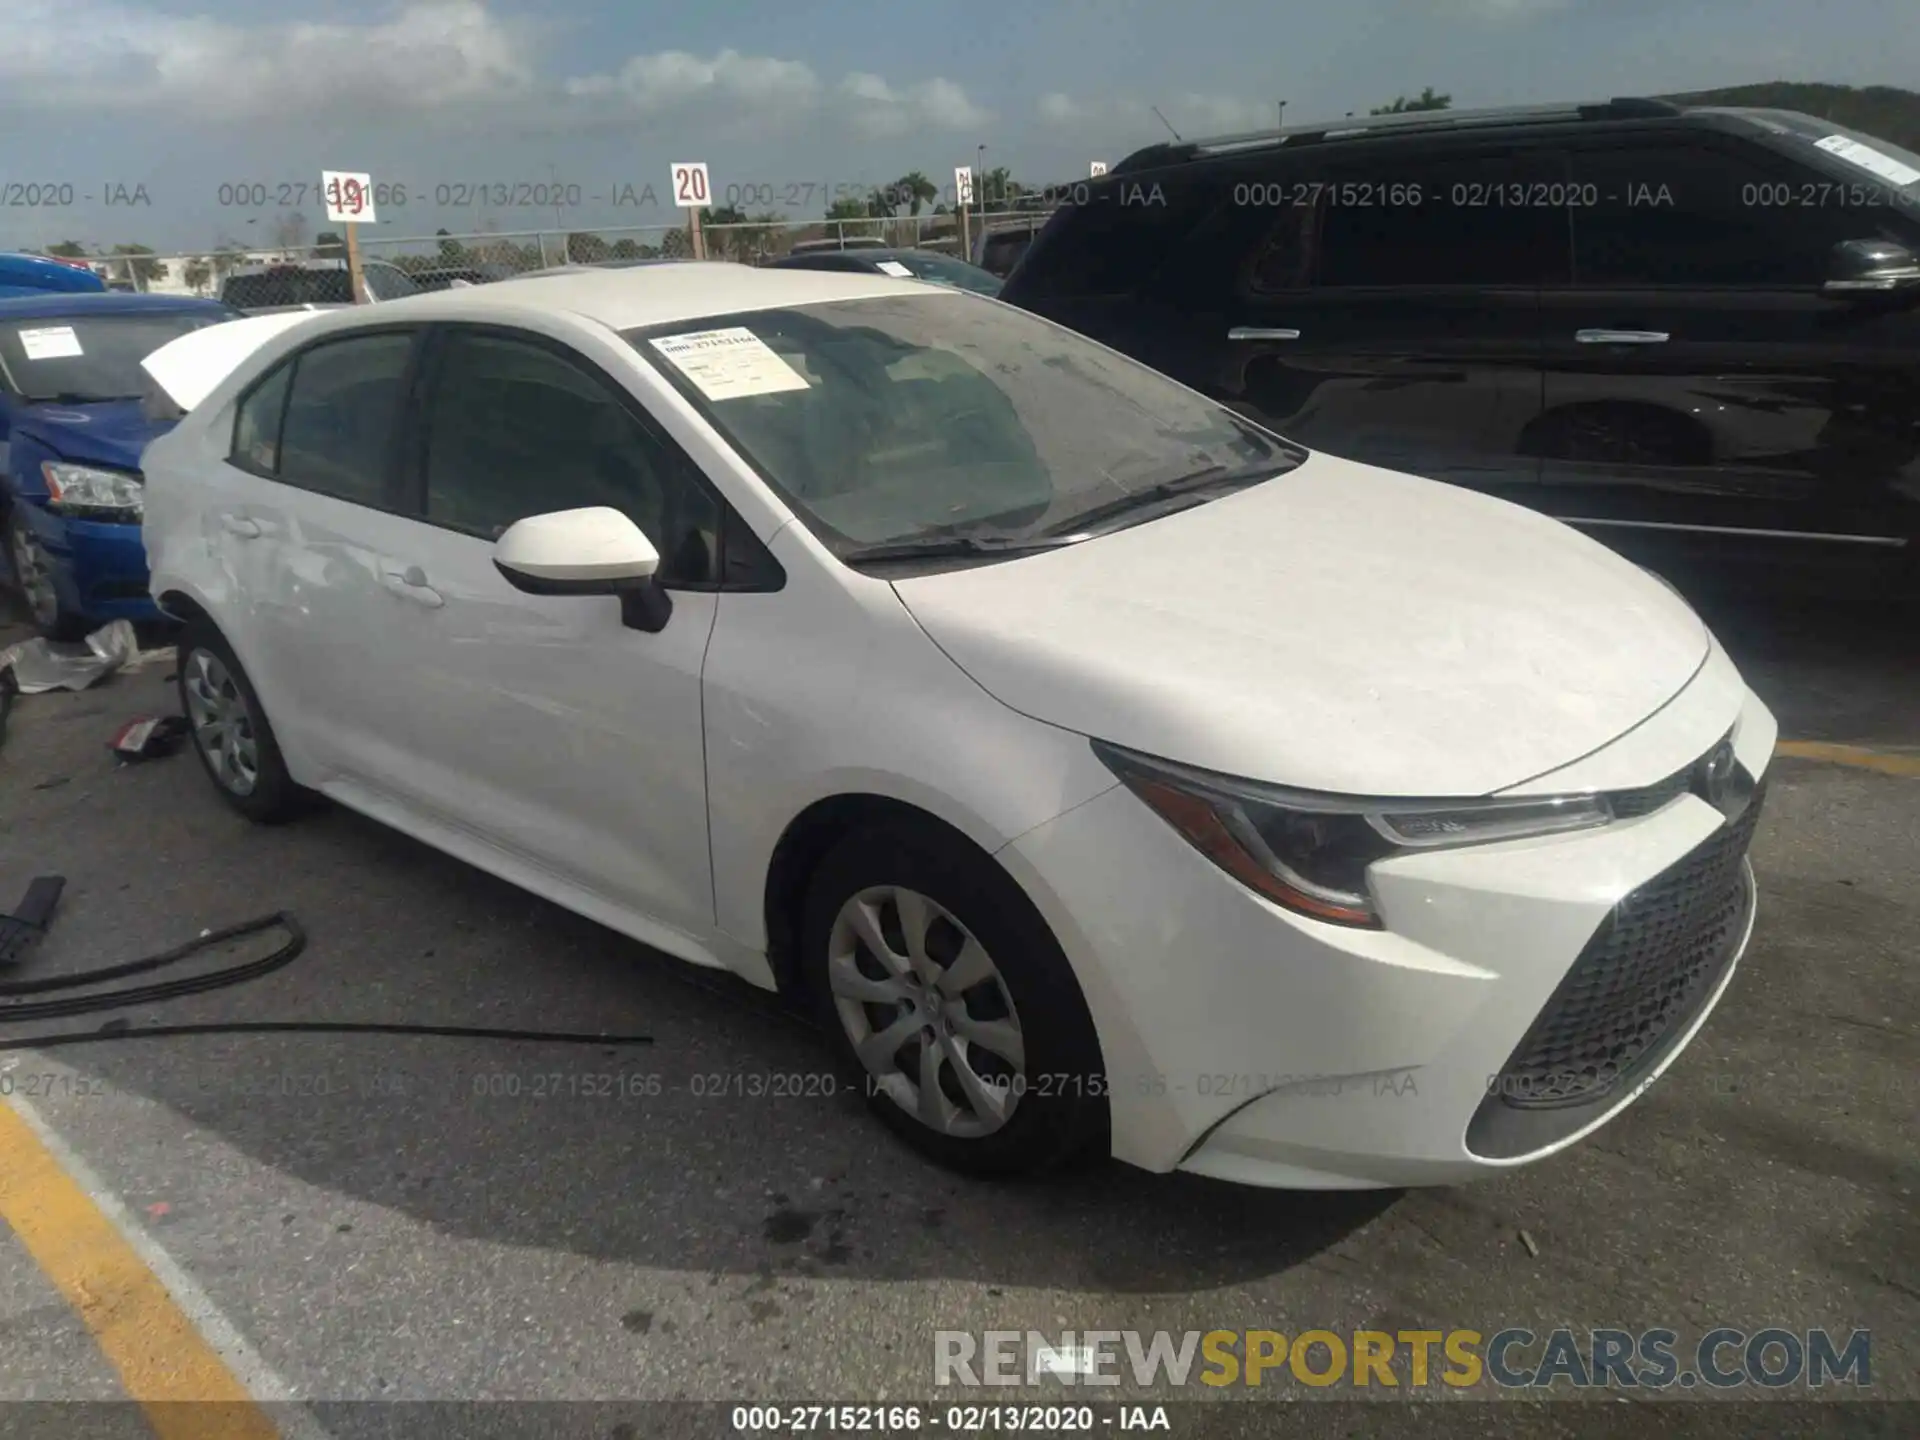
<point x="1194" y="482"/>
<point x="934" y="547"/>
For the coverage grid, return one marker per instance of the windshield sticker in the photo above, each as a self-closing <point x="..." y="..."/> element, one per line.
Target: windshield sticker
<point x="52" y="342"/>
<point x="730" y="364"/>
<point x="893" y="267"/>
<point x="1869" y="159"/>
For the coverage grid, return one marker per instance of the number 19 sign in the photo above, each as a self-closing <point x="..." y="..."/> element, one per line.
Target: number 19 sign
<point x="348" y="197"/>
<point x="691" y="191"/>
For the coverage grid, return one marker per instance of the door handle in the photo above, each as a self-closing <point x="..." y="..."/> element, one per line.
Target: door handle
<point x="241" y="526"/>
<point x="1621" y="337"/>
<point x="1259" y="332"/>
<point x="411" y="583"/>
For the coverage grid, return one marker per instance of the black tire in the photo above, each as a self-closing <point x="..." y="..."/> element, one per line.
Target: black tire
<point x="62" y="624"/>
<point x="272" y="797"/>
<point x="1060" y="1114"/>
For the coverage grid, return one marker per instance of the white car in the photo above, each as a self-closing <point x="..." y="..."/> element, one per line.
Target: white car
<point x="1106" y="772"/>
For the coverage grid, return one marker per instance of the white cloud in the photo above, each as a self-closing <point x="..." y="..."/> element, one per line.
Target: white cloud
<point x="674" y="78"/>
<point x="1192" y="114"/>
<point x="102" y="54"/>
<point x="880" y="106"/>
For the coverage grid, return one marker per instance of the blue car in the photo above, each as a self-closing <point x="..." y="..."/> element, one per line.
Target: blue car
<point x="74" y="417"/>
<point x="38" y="274"/>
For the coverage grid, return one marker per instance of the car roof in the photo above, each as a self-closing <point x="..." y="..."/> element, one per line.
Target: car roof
<point x="1504" y="117"/>
<point x="643" y="295"/>
<point x="104" y="302"/>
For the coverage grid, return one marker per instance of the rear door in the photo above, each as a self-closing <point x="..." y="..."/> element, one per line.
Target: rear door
<point x="1698" y="380"/>
<point x="305" y="531"/>
<point x="1386" y="308"/>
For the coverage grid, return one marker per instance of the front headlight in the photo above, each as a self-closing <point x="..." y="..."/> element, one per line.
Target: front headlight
<point x="76" y="489"/>
<point x="1310" y="852"/>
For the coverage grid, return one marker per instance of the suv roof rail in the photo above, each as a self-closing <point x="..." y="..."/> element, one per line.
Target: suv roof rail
<point x="1179" y="152"/>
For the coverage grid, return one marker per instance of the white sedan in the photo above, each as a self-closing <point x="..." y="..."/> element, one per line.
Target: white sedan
<point x="1107" y="773"/>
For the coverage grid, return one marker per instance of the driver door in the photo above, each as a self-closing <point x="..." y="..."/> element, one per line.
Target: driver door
<point x="542" y="725"/>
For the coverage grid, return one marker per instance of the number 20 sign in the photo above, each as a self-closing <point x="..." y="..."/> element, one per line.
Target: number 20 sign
<point x="690" y="188"/>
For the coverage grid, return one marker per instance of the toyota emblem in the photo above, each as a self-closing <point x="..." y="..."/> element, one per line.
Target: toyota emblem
<point x="1716" y="775"/>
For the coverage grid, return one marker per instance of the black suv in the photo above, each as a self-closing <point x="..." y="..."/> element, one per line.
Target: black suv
<point x="1666" y="323"/>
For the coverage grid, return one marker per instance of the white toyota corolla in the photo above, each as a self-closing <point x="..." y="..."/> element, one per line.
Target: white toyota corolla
<point x="1105" y="771"/>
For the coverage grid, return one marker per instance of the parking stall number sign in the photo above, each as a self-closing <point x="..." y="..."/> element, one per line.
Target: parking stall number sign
<point x="963" y="184"/>
<point x="1097" y="169"/>
<point x="691" y="189"/>
<point x="348" y="197"/>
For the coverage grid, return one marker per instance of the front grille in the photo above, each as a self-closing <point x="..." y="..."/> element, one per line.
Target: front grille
<point x="1628" y="804"/>
<point x="1640" y="979"/>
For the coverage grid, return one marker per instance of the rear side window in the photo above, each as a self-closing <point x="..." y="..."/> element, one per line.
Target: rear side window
<point x="1472" y="220"/>
<point x="338" y="430"/>
<point x="1117" y="242"/>
<point x="256" y="424"/>
<point x="1706" y="216"/>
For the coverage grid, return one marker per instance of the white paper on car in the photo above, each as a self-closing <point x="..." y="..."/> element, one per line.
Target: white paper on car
<point x="730" y="364"/>
<point x="893" y="267"/>
<point x="50" y="342"/>
<point x="1869" y="159"/>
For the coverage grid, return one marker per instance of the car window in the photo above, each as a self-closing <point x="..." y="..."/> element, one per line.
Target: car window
<point x="893" y="418"/>
<point x="256" y="424"/>
<point x="84" y="358"/>
<point x="1694" y="215"/>
<point x="338" y="430"/>
<point x="388" y="282"/>
<point x="1465" y="220"/>
<point x="515" y="430"/>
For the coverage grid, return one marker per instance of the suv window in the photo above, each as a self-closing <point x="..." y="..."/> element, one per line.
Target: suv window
<point x="1467" y="220"/>
<point x="256" y="424"/>
<point x="1114" y="245"/>
<point x="1697" y="215"/>
<point x="339" y="424"/>
<point x="514" y="430"/>
<point x="289" y="286"/>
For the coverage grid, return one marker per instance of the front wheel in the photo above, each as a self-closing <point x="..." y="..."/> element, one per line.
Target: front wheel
<point x="939" y="980"/>
<point x="33" y="575"/>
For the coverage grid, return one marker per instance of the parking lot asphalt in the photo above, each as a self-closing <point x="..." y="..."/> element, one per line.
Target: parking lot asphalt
<point x="412" y="1217"/>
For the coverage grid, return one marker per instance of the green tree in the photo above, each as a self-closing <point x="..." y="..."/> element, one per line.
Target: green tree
<point x="675" y="244"/>
<point x="198" y="274"/>
<point x="997" y="189"/>
<point x="225" y="258"/>
<point x="1427" y="99"/>
<point x="915" y="190"/>
<point x="137" y="265"/>
<point x="848" y="207"/>
<point x="627" y="248"/>
<point x="452" y="252"/>
<point x="68" y="250"/>
<point x="585" y="249"/>
<point x="328" y="245"/>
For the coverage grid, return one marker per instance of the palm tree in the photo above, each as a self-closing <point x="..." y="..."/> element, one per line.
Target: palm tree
<point x="916" y="189"/>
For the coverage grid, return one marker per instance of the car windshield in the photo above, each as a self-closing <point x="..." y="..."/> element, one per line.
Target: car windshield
<point x="941" y="270"/>
<point x="1870" y="155"/>
<point x="81" y="359"/>
<point x="903" y="418"/>
<point x="388" y="282"/>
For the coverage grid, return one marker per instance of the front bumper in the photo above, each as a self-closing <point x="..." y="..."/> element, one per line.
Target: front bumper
<point x="99" y="567"/>
<point x="1249" y="1043"/>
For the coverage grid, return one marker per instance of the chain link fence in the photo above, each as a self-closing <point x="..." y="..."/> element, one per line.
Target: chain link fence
<point x="392" y="266"/>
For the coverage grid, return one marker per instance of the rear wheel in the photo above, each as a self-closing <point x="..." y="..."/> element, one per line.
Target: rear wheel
<point x="230" y="730"/>
<point x="942" y="985"/>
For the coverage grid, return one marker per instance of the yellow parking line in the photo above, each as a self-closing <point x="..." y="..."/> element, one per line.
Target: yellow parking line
<point x="160" y="1356"/>
<point x="1857" y="756"/>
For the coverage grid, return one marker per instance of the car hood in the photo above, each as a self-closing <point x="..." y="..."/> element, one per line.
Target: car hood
<point x="111" y="434"/>
<point x="1339" y="628"/>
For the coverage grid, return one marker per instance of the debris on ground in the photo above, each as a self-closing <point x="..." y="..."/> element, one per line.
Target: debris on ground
<point x="41" y="664"/>
<point x="20" y="930"/>
<point x="1527" y="1240"/>
<point x="149" y="737"/>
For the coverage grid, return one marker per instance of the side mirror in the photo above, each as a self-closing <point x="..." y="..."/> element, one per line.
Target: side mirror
<point x="1867" y="267"/>
<point x="592" y="551"/>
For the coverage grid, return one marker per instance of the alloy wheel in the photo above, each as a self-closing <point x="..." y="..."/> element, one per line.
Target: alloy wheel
<point x="927" y="1011"/>
<point x="222" y="722"/>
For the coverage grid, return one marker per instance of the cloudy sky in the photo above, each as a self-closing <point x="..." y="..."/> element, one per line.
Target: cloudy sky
<point x="784" y="99"/>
